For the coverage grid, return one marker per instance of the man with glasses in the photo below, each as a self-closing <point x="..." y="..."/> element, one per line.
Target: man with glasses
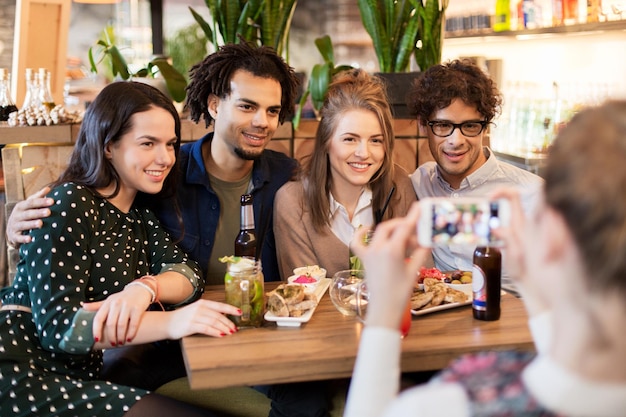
<point x="454" y="104"/>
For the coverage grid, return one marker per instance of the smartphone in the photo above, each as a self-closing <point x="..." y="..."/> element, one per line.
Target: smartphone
<point x="461" y="221"/>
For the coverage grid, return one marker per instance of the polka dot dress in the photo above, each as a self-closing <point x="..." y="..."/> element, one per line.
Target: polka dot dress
<point x="86" y="250"/>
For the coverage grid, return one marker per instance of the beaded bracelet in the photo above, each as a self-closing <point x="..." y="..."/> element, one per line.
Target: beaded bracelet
<point x="152" y="279"/>
<point x="146" y="287"/>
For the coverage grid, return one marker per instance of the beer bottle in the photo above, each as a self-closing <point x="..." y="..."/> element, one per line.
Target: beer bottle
<point x="486" y="275"/>
<point x="245" y="243"/>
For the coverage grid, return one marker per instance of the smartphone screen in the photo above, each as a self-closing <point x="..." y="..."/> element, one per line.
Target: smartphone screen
<point x="461" y="222"/>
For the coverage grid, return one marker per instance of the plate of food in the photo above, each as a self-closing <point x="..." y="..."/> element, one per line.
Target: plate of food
<point x="460" y="280"/>
<point x="290" y="305"/>
<point x="436" y="295"/>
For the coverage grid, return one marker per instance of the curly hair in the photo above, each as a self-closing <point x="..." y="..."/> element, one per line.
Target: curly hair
<point x="213" y="74"/>
<point x="437" y="87"/>
<point x="349" y="90"/>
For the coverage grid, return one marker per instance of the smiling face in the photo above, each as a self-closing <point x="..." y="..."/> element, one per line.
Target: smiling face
<point x="246" y="120"/>
<point x="356" y="150"/>
<point x="143" y="156"/>
<point x="457" y="155"/>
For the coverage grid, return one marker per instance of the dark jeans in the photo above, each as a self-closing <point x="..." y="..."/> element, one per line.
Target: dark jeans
<point x="152" y="365"/>
<point x="297" y="399"/>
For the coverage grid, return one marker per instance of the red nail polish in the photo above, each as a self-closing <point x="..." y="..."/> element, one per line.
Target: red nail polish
<point x="239" y="311"/>
<point x="129" y="340"/>
<point x="232" y="331"/>
<point x="96" y="339"/>
<point x="113" y="344"/>
<point x="222" y="334"/>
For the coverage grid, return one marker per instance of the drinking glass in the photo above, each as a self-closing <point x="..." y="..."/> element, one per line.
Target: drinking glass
<point x="243" y="283"/>
<point x="343" y="290"/>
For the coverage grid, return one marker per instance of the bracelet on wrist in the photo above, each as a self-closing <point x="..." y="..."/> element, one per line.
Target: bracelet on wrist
<point x="152" y="281"/>
<point x="144" y="286"/>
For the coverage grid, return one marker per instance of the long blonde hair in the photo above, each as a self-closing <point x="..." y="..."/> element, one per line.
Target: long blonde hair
<point x="349" y="90"/>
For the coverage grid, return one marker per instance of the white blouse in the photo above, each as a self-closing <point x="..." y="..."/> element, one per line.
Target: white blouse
<point x="340" y="223"/>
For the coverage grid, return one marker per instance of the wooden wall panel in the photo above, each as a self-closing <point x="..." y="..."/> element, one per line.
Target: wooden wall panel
<point x="41" y="30"/>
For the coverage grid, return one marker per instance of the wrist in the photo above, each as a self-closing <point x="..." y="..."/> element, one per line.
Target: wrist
<point x="146" y="287"/>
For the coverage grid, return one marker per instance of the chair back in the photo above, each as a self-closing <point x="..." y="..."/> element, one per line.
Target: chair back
<point x="27" y="168"/>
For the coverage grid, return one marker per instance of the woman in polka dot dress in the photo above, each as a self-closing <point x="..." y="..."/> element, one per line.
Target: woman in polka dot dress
<point x="87" y="278"/>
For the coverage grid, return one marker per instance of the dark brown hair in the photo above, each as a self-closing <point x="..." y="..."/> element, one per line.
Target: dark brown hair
<point x="437" y="87"/>
<point x="106" y="120"/>
<point x="213" y="75"/>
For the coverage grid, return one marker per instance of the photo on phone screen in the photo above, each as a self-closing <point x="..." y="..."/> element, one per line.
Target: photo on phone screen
<point x="456" y="221"/>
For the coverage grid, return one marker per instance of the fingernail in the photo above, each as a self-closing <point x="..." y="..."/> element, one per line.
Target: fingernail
<point x="222" y="334"/>
<point x="129" y="340"/>
<point x="239" y="311"/>
<point x="96" y="339"/>
<point x="113" y="344"/>
<point x="232" y="331"/>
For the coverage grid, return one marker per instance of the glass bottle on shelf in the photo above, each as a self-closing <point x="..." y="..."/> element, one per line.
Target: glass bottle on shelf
<point x="45" y="94"/>
<point x="7" y="106"/>
<point x="31" y="98"/>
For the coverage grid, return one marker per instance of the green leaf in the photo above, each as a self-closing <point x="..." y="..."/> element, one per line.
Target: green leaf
<point x="206" y="28"/>
<point x="298" y="116"/>
<point x="318" y="84"/>
<point x="175" y="81"/>
<point x="325" y="46"/>
<point x="118" y="63"/>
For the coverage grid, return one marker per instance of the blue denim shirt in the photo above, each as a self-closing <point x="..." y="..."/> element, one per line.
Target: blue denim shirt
<point x="200" y="207"/>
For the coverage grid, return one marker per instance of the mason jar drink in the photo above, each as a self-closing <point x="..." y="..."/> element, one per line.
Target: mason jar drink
<point x="244" y="289"/>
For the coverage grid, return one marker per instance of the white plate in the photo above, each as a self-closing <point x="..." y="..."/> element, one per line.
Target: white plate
<point x="319" y="291"/>
<point x="446" y="306"/>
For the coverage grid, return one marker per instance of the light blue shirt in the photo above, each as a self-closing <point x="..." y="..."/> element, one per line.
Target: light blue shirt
<point x="493" y="174"/>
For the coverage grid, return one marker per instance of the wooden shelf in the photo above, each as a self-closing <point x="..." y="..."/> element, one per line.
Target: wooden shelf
<point x="614" y="25"/>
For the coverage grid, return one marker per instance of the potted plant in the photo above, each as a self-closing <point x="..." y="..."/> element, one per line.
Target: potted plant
<point x="266" y="22"/>
<point x="105" y="51"/>
<point x="400" y="30"/>
<point x="431" y="27"/>
<point x="320" y="77"/>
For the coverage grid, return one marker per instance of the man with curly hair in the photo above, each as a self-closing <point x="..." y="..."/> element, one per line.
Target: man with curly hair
<point x="454" y="104"/>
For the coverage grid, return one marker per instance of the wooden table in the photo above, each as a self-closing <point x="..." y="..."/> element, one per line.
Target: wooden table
<point x="326" y="346"/>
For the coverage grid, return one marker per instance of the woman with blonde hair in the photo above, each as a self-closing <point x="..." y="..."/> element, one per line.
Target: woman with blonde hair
<point x="349" y="181"/>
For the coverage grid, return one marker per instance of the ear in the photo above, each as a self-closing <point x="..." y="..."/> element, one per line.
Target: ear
<point x="107" y="151"/>
<point x="212" y="103"/>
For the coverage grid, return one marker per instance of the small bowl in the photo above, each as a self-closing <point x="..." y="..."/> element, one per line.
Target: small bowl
<point x="312" y="270"/>
<point x="308" y="285"/>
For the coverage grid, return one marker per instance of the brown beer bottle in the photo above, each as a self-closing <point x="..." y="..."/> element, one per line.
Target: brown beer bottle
<point x="245" y="243"/>
<point x="486" y="275"/>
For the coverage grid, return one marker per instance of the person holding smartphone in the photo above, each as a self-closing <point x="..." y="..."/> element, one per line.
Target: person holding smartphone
<point x="454" y="104"/>
<point x="568" y="261"/>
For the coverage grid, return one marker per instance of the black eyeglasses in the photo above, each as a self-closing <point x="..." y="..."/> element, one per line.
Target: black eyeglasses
<point x="445" y="129"/>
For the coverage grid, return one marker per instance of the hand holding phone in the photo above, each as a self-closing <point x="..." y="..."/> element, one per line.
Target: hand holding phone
<point x="461" y="221"/>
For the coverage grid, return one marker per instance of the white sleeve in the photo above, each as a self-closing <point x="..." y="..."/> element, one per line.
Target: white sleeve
<point x="375" y="384"/>
<point x="431" y="400"/>
<point x="541" y="330"/>
<point x="376" y="376"/>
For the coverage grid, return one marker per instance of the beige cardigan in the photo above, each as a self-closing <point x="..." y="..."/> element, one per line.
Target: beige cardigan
<point x="299" y="244"/>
